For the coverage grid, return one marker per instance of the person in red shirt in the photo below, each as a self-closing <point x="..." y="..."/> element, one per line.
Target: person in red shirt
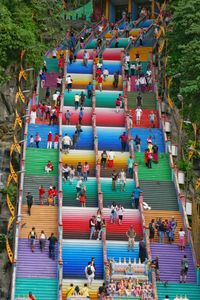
<point x="41" y="194"/>
<point x="49" y="167"/>
<point x="124" y="138"/>
<point x="49" y="140"/>
<point x="100" y="81"/>
<point x="56" y="140"/>
<point x="50" y="196"/>
<point x="117" y="105"/>
<point x="98" y="73"/>
<point x="30" y="296"/>
<point x="61" y="64"/>
<point x="42" y="110"/>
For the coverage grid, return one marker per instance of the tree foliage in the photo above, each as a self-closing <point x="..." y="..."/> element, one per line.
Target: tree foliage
<point x="33" y="25"/>
<point x="183" y="40"/>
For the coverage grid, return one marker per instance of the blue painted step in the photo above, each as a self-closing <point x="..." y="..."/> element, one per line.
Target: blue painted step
<point x="43" y="131"/>
<point x="118" y="249"/>
<point x="85" y="141"/>
<point x="77" y="254"/>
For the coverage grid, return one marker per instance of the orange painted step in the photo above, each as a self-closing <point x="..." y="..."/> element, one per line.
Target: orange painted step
<point x="42" y="218"/>
<point x="164" y="214"/>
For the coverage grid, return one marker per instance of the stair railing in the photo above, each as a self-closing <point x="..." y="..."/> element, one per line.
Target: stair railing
<point x="19" y="208"/>
<point x="60" y="190"/>
<point x="145" y="232"/>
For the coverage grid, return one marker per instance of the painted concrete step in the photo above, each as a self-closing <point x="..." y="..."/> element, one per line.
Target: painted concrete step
<point x="42" y="218"/>
<point x="42" y="288"/>
<point x="191" y="291"/>
<point x="32" y="184"/>
<point x="160" y="195"/>
<point x="170" y="262"/>
<point x="165" y="215"/>
<point x="35" y="264"/>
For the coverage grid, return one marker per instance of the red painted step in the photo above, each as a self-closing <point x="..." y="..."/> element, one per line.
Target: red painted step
<point x="76" y="223"/>
<point x="145" y="123"/>
<point x="113" y="54"/>
<point x="104" y="116"/>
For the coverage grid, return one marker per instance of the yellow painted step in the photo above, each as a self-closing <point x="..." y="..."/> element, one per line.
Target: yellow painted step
<point x="164" y="214"/>
<point x="42" y="218"/>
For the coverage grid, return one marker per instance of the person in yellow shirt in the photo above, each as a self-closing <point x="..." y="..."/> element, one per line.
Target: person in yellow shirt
<point x="85" y="291"/>
<point x="70" y="291"/>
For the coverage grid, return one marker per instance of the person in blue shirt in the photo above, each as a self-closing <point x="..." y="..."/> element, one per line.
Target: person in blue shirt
<point x="80" y="115"/>
<point x="135" y="197"/>
<point x="89" y="90"/>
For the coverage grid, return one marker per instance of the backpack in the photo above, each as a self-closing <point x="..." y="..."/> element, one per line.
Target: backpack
<point x="186" y="265"/>
<point x="89" y="270"/>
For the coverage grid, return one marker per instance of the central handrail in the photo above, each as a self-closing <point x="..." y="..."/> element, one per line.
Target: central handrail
<point x="60" y="190"/>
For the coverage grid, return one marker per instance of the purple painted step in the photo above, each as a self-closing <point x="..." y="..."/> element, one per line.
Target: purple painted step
<point x="51" y="80"/>
<point x="170" y="261"/>
<point x="36" y="264"/>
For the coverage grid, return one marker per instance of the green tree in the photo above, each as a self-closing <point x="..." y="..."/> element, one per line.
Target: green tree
<point x="32" y="25"/>
<point x="183" y="40"/>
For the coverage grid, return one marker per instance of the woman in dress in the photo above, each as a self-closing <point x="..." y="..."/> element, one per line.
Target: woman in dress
<point x="33" y="116"/>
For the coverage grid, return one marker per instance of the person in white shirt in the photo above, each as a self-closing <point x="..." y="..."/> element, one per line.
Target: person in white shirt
<point x="122" y="179"/>
<point x="105" y="74"/>
<point x="76" y="101"/>
<point x="85" y="58"/>
<point x="120" y="212"/>
<point x="127" y="58"/>
<point x="54" y="53"/>
<point x="78" y="187"/>
<point x="111" y="156"/>
<point x="66" y="142"/>
<point x="142" y="83"/>
<point x="90" y="273"/>
<point x="181" y="235"/>
<point x="137" y="84"/>
<point x="55" y="97"/>
<point x="69" y="82"/>
<point x="33" y="116"/>
<point x="138" y="112"/>
<point x="99" y="65"/>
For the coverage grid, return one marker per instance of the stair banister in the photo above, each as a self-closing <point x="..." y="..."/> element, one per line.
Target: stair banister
<point x="60" y="190"/>
<point x="19" y="207"/>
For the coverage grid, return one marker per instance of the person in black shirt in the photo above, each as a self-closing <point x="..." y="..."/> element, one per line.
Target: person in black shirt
<point x="139" y="101"/>
<point x="102" y="292"/>
<point x="52" y="243"/>
<point x="29" y="199"/>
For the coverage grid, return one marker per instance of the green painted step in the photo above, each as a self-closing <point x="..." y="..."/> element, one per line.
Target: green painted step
<point x="161" y="171"/>
<point x="32" y="183"/>
<point x="154" y="191"/>
<point x="177" y="289"/>
<point x="36" y="159"/>
<point x="69" y="97"/>
<point x="52" y="65"/>
<point x="42" y="288"/>
<point x="149" y="100"/>
<point x="91" y="44"/>
<point x="69" y="193"/>
<point x="103" y="99"/>
<point x="123" y="198"/>
<point x="123" y="43"/>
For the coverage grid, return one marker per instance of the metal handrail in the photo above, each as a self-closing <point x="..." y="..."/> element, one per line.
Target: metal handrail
<point x="60" y="190"/>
